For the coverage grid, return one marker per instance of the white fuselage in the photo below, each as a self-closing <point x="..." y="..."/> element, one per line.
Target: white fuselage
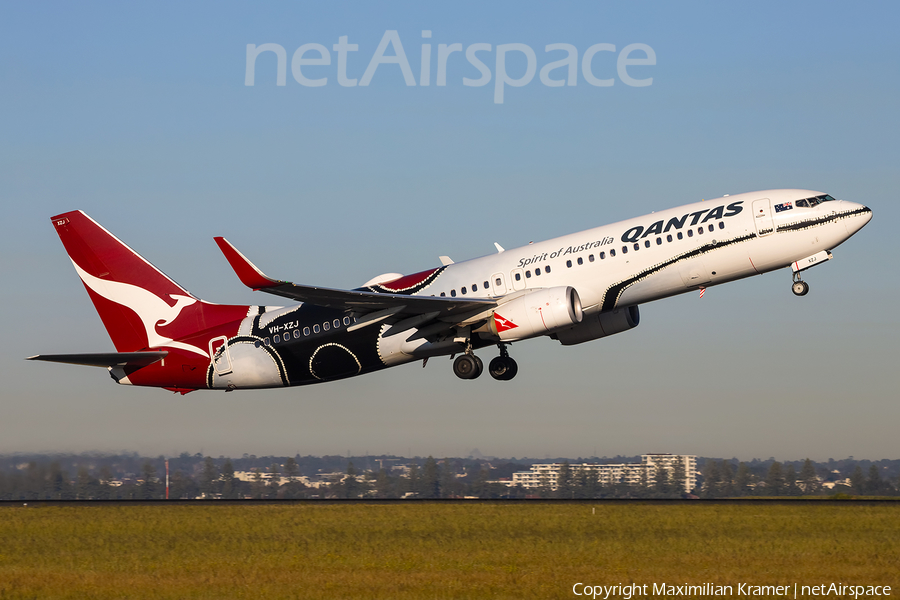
<point x="654" y="256"/>
<point x="678" y="270"/>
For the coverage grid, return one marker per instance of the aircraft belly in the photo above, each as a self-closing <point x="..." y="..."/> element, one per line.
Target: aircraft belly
<point x="398" y="349"/>
<point x="665" y="283"/>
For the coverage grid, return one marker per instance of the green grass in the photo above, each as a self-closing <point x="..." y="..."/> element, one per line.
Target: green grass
<point x="434" y="550"/>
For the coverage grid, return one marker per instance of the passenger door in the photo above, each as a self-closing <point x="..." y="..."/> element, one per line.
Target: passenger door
<point x="762" y="216"/>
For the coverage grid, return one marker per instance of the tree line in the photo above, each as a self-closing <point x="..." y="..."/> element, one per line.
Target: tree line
<point x="722" y="480"/>
<point x="194" y="476"/>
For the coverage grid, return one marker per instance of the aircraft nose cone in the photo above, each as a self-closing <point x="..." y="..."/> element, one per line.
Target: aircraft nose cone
<point x="859" y="216"/>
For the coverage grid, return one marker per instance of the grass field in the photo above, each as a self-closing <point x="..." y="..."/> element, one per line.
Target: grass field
<point x="435" y="550"/>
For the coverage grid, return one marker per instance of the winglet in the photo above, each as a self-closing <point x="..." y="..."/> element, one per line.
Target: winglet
<point x="246" y="271"/>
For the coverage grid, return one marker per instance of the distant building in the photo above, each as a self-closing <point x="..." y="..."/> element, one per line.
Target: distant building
<point x="612" y="474"/>
<point x="266" y="478"/>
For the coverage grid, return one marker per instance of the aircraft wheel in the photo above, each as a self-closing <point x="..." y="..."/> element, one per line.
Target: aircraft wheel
<point x="466" y="366"/>
<point x="800" y="288"/>
<point x="513" y="369"/>
<point x="503" y="368"/>
<point x="480" y="365"/>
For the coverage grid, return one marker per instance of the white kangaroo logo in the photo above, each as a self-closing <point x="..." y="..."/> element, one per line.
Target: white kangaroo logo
<point x="151" y="309"/>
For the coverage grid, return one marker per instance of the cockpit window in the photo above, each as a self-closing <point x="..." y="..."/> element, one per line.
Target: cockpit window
<point x="810" y="202"/>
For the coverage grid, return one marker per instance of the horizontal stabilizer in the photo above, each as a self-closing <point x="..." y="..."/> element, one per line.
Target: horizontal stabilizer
<point x="105" y="359"/>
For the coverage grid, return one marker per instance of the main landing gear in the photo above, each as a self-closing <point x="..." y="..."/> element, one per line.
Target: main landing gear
<point x="469" y="366"/>
<point x="799" y="287"/>
<point x="503" y="367"/>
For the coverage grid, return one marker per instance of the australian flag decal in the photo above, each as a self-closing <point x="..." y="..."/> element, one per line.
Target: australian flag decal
<point x="783" y="207"/>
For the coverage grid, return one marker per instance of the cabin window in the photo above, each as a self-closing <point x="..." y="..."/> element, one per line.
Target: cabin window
<point x="257" y="344"/>
<point x="700" y="230"/>
<point x="569" y="263"/>
<point x="680" y="236"/>
<point x="711" y="228"/>
<point x="637" y="246"/>
<point x="487" y="285"/>
<point x="316" y="329"/>
<point x="464" y="290"/>
<point x="647" y="243"/>
<point x="602" y="255"/>
<point x="474" y="287"/>
<point x="336" y="323"/>
<point x="537" y="272"/>
<point x="443" y="294"/>
<point x="296" y="334"/>
<point x="669" y="238"/>
<point x="346" y="320"/>
<point x="612" y="253"/>
<point x="721" y="224"/>
<point x="306" y="331"/>
<point x="547" y="269"/>
<point x="498" y="281"/>
<point x="690" y="233"/>
<point x="624" y="249"/>
<point x="590" y="258"/>
<point x="580" y="261"/>
<point x="268" y="342"/>
<point x="518" y="277"/>
<point x="277" y="338"/>
<point x="453" y="293"/>
<point x="527" y="274"/>
<point x="326" y="325"/>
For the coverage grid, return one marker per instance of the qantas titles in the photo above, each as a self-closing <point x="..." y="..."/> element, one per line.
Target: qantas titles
<point x="636" y="233"/>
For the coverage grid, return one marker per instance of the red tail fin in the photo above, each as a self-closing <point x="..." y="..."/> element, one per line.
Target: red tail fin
<point x="139" y="305"/>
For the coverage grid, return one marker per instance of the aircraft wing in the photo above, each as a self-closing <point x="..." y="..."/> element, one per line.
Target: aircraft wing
<point x="393" y="305"/>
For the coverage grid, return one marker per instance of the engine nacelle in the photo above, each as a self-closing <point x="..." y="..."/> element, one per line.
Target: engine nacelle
<point x="537" y="313"/>
<point x="600" y="325"/>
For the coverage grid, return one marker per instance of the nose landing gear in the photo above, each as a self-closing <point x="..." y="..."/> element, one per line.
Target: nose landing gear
<point x="799" y="287"/>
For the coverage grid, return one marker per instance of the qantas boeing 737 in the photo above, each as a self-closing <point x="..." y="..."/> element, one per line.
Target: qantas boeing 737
<point x="574" y="289"/>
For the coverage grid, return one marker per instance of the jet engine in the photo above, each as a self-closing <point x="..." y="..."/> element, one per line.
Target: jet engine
<point x="537" y="313"/>
<point x="600" y="325"/>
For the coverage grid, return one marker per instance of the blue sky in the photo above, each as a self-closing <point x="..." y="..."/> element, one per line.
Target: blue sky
<point x="139" y="115"/>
